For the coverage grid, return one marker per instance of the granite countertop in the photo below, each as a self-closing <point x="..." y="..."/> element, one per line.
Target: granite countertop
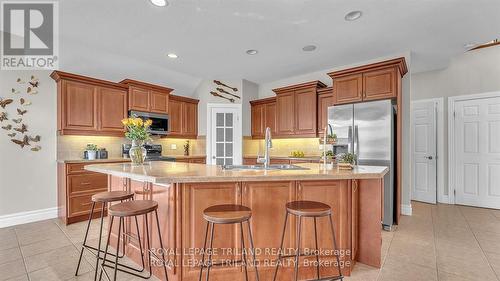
<point x="173" y="172"/>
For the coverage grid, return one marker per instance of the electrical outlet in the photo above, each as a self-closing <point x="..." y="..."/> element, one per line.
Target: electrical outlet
<point x="173" y="146"/>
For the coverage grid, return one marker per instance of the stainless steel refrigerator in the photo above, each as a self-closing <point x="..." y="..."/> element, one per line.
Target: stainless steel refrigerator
<point x="368" y="130"/>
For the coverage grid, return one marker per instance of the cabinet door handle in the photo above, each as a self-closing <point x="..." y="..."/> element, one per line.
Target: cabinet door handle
<point x="85" y="183"/>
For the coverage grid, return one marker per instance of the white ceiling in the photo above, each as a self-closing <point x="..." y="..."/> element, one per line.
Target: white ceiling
<point x="211" y="36"/>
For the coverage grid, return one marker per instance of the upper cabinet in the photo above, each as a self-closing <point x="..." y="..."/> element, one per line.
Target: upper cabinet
<point x="88" y="106"/>
<point x="183" y="117"/>
<point x="325" y="100"/>
<point x="297" y="109"/>
<point x="147" y="97"/>
<point x="369" y="82"/>
<point x="263" y="115"/>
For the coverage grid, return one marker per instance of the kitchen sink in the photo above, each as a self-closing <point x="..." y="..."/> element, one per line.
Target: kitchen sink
<point x="261" y="167"/>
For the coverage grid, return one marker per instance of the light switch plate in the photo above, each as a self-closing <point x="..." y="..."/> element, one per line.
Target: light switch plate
<point x="173" y="146"/>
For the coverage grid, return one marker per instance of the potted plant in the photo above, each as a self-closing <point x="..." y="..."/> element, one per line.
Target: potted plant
<point x="91" y="151"/>
<point x="138" y="133"/>
<point x="346" y="161"/>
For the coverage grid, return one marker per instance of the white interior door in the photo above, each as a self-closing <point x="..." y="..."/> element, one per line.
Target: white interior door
<point x="225" y="136"/>
<point x="477" y="152"/>
<point x="424" y="164"/>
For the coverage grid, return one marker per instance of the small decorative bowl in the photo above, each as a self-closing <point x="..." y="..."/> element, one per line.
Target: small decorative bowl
<point x="345" y="166"/>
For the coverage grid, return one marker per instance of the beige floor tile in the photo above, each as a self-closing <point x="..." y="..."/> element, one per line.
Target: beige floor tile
<point x="397" y="271"/>
<point x="489" y="245"/>
<point x="61" y="271"/>
<point x="491" y="226"/>
<point x="27" y="237"/>
<point x="412" y="252"/>
<point x="363" y="273"/>
<point x="469" y="266"/>
<point x="10" y="255"/>
<point x="8" y="238"/>
<point x="51" y="258"/>
<point x="44" y="246"/>
<point x="445" y="276"/>
<point x="494" y="260"/>
<point x="19" y="278"/>
<point x="36" y="226"/>
<point x="12" y="269"/>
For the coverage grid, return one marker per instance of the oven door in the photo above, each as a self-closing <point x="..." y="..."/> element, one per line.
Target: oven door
<point x="160" y="121"/>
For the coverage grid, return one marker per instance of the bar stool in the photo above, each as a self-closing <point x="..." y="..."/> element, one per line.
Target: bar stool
<point x="130" y="209"/>
<point x="227" y="214"/>
<point x="309" y="209"/>
<point x="104" y="198"/>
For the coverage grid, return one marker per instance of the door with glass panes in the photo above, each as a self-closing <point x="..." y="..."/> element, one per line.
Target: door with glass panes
<point x="225" y="146"/>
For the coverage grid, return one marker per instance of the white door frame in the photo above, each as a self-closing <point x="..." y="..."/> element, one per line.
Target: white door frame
<point x="238" y="141"/>
<point x="439" y="102"/>
<point x="451" y="136"/>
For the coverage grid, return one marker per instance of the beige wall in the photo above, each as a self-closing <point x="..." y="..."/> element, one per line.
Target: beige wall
<point x="27" y="178"/>
<point x="469" y="73"/>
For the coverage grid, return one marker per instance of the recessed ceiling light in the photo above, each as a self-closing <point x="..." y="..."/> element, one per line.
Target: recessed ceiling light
<point x="309" y="48"/>
<point x="159" y="3"/>
<point x="252" y="52"/>
<point x="172" y="56"/>
<point x="354" y="15"/>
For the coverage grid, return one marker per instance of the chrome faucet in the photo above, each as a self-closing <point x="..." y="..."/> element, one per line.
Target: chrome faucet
<point x="325" y="136"/>
<point x="268" y="143"/>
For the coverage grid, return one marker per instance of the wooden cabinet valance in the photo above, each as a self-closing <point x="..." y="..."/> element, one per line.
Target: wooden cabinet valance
<point x="369" y="82"/>
<point x="147" y="97"/>
<point x="88" y="106"/>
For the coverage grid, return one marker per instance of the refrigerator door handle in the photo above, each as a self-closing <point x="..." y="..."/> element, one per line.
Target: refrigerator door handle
<point x="356" y="143"/>
<point x="350" y="140"/>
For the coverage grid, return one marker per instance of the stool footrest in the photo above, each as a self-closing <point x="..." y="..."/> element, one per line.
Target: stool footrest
<point x="329" y="278"/>
<point x="304" y="255"/>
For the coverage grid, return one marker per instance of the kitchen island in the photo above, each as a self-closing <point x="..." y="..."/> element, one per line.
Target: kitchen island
<point x="184" y="190"/>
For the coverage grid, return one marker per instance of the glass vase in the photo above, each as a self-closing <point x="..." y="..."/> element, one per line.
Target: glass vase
<point x="137" y="153"/>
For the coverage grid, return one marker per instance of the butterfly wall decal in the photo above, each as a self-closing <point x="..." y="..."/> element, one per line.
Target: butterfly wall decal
<point x="4" y="103"/>
<point x="24" y="102"/>
<point x="14" y="91"/>
<point x="31" y="91"/>
<point x="8" y="127"/>
<point x="23" y="129"/>
<point x="35" y="139"/>
<point x="34" y="84"/>
<point x="3" y="116"/>
<point x="21" y="112"/>
<point x="20" y="81"/>
<point x="22" y="143"/>
<point x="12" y="135"/>
<point x="36" y="148"/>
<point x="18" y="120"/>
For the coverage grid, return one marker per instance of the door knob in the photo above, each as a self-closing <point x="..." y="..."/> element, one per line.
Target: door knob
<point x="428" y="157"/>
<point x="213" y="157"/>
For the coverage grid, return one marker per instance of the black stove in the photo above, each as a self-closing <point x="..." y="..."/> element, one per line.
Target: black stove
<point x="153" y="152"/>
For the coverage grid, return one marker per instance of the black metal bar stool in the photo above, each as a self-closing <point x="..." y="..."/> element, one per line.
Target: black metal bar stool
<point x="310" y="209"/>
<point x="227" y="214"/>
<point x="104" y="198"/>
<point x="130" y="209"/>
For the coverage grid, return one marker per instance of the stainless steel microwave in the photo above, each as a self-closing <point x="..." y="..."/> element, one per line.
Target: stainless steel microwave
<point x="160" y="124"/>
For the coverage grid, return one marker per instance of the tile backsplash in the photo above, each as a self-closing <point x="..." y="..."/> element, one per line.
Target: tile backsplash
<point x="283" y="147"/>
<point x="72" y="147"/>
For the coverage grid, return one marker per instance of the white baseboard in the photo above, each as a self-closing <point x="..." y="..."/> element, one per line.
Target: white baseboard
<point x="406" y="210"/>
<point x="445" y="199"/>
<point x="27" y="217"/>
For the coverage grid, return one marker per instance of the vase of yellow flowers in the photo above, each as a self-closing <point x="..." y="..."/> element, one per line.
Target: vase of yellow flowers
<point x="137" y="132"/>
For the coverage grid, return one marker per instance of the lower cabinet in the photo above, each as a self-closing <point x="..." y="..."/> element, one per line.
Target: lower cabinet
<point x="75" y="188"/>
<point x="198" y="160"/>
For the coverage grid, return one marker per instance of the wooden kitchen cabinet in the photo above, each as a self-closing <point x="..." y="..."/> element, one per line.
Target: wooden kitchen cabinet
<point x="296" y="110"/>
<point x="368" y="82"/>
<point x="112" y="108"/>
<point x="325" y="100"/>
<point x="263" y="115"/>
<point x="89" y="106"/>
<point x="183" y="117"/>
<point x="75" y="187"/>
<point x="196" y="198"/>
<point x="147" y="97"/>
<point x="191" y="159"/>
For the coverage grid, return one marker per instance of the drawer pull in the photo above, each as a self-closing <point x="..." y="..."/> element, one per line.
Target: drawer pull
<point x="85" y="183"/>
<point x="86" y="204"/>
